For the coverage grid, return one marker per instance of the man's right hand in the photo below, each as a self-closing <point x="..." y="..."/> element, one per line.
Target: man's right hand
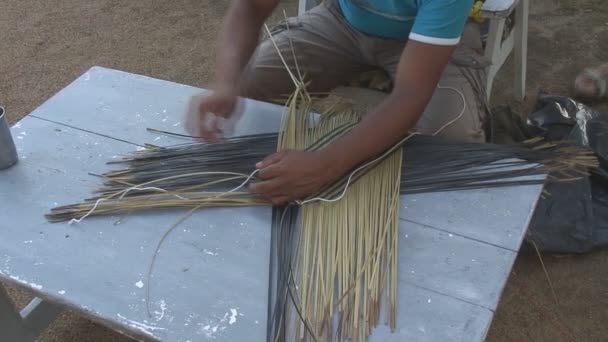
<point x="236" y="42"/>
<point x="208" y="112"/>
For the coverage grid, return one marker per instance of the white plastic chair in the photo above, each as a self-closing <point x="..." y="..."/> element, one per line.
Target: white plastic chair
<point x="497" y="49"/>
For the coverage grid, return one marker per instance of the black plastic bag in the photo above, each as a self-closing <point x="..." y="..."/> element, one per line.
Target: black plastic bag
<point x="573" y="218"/>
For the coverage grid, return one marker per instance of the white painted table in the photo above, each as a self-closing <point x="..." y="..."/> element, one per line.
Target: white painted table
<point x="210" y="281"/>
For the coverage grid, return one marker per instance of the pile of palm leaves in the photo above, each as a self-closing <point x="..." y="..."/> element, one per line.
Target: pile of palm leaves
<point x="196" y="174"/>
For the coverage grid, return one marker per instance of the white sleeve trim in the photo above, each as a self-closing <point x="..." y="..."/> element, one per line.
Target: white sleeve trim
<point x="433" y="40"/>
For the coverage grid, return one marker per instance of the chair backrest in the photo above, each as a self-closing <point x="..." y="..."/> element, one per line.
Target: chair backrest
<point x="498" y="8"/>
<point x="305" y="5"/>
<point x="490" y="8"/>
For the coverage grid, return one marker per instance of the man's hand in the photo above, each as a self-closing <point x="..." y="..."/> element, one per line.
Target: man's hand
<point x="292" y="175"/>
<point x="208" y="112"/>
<point x="237" y="40"/>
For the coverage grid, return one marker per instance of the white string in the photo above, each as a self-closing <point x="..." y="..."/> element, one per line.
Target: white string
<point x="242" y="184"/>
<point x="291" y="75"/>
<point x="121" y="197"/>
<point x="148" y="188"/>
<point x="157" y="189"/>
<point x="89" y="213"/>
<point x="354" y="172"/>
<point x="464" y="107"/>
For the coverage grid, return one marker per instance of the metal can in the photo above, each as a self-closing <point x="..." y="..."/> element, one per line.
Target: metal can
<point x="8" y="152"/>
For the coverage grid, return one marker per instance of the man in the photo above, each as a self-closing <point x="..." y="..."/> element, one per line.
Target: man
<point x="412" y="40"/>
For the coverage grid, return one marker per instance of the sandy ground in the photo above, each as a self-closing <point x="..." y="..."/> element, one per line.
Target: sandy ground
<point x="46" y="44"/>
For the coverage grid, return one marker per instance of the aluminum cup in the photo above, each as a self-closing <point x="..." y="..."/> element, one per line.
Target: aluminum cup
<point x="8" y="152"/>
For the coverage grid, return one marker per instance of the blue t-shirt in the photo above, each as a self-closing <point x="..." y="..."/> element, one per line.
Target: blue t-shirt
<point x="438" y="22"/>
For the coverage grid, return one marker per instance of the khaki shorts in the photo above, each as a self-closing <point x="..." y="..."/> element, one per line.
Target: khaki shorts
<point x="330" y="53"/>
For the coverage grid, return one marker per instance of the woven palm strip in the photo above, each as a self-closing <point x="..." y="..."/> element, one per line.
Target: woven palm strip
<point x="432" y="164"/>
<point x="345" y="264"/>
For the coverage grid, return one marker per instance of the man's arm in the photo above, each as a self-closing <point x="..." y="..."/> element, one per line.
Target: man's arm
<point x="418" y="73"/>
<point x="293" y="175"/>
<point x="238" y="39"/>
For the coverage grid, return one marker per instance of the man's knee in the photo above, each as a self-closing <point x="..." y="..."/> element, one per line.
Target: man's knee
<point x="265" y="76"/>
<point x="456" y="111"/>
<point x="248" y="86"/>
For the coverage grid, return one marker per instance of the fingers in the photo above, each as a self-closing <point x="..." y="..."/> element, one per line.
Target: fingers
<point x="192" y="115"/>
<point x="280" y="200"/>
<point x="270" y="191"/>
<point x="265" y="187"/>
<point x="209" y="128"/>
<point x="217" y="105"/>
<point x="271" y="171"/>
<point x="269" y="160"/>
<point x="270" y="168"/>
<point x="210" y="112"/>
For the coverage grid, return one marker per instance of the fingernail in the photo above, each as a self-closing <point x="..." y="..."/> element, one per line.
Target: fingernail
<point x="258" y="165"/>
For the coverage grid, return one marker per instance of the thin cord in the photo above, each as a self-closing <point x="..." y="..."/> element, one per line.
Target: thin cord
<point x="291" y="75"/>
<point x="242" y="184"/>
<point x="464" y="107"/>
<point x="293" y="51"/>
<point x="136" y="187"/>
<point x="542" y="264"/>
<point x="180" y="221"/>
<point x="89" y="213"/>
<point x="355" y="171"/>
<point x="121" y="197"/>
<point x="157" y="249"/>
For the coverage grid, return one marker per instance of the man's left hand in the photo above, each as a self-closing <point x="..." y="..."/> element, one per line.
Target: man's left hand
<point x="292" y="175"/>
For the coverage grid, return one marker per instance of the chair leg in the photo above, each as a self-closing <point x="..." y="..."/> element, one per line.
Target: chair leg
<point x="521" y="48"/>
<point x="302" y="6"/>
<point x="305" y="5"/>
<point x="11" y="324"/>
<point x="492" y="52"/>
<point x="24" y="326"/>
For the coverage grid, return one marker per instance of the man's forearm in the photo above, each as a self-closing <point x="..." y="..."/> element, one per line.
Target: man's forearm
<point x="419" y="71"/>
<point x="379" y="130"/>
<point x="238" y="39"/>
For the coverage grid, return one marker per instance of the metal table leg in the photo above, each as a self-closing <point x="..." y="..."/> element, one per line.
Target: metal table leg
<point x="25" y="326"/>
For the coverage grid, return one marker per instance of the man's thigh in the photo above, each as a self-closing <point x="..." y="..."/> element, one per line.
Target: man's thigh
<point x="318" y="47"/>
<point x="456" y="110"/>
